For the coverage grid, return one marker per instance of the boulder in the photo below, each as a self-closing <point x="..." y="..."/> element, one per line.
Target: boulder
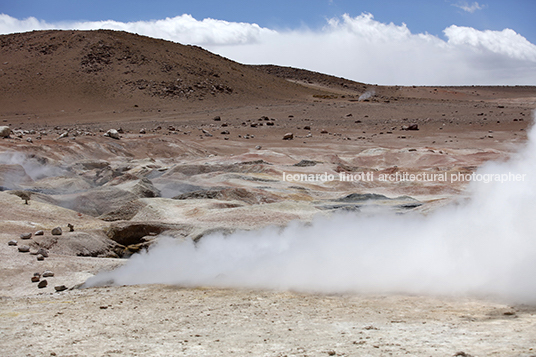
<point x="112" y="133"/>
<point x="24" y="249"/>
<point x="86" y="244"/>
<point x="5" y="131"/>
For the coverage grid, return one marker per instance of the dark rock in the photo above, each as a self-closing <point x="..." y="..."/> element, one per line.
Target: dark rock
<point x="40" y="257"/>
<point x="39" y="233"/>
<point x="217" y="118"/>
<point x="35" y="278"/>
<point x="12" y="242"/>
<point x="47" y="274"/>
<point x="410" y="127"/>
<point x="26" y="236"/>
<point x="57" y="231"/>
<point x="42" y="284"/>
<point x="43" y="252"/>
<point x="129" y="233"/>
<point x="71" y="227"/>
<point x="288" y="136"/>
<point x="306" y="163"/>
<point x="59" y="288"/>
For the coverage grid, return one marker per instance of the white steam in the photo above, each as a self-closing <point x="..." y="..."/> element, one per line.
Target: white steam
<point x="483" y="247"/>
<point x="35" y="168"/>
<point x="367" y="95"/>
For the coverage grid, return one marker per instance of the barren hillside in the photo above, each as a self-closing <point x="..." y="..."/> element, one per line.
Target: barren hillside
<point x="95" y="70"/>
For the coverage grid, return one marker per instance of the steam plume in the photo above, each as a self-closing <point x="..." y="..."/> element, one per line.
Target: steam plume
<point x="484" y="247"/>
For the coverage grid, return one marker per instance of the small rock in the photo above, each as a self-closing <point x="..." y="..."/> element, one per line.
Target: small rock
<point x="112" y="133"/>
<point x="288" y="136"/>
<point x="225" y="132"/>
<point x="12" y="242"/>
<point x="47" y="274"/>
<point x="71" y="227"/>
<point x="57" y="231"/>
<point x="39" y="233"/>
<point x="29" y="140"/>
<point x="60" y="288"/>
<point x="40" y="257"/>
<point x="143" y="131"/>
<point x="25" y="236"/>
<point x="323" y="131"/>
<point x="217" y="118"/>
<point x="24" y="249"/>
<point x="42" y="284"/>
<point x="43" y="252"/>
<point x="35" y="278"/>
<point x="258" y="147"/>
<point x="64" y="135"/>
<point x="206" y="133"/>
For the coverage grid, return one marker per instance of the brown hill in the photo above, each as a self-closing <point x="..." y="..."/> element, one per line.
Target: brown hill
<point x="88" y="71"/>
<point x="311" y="77"/>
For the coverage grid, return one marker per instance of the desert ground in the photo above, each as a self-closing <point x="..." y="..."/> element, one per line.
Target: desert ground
<point x="129" y="139"/>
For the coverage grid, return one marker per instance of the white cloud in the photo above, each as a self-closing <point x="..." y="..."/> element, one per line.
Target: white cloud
<point x="183" y="29"/>
<point x="358" y="48"/>
<point x="469" y="8"/>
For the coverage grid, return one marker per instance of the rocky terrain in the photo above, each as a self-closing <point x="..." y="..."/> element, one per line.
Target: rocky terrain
<point x="119" y="140"/>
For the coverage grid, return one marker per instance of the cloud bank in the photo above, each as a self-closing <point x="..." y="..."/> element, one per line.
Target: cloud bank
<point x="358" y="48"/>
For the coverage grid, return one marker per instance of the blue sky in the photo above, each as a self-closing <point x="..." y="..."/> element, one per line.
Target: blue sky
<point x="430" y="16"/>
<point x="478" y="39"/>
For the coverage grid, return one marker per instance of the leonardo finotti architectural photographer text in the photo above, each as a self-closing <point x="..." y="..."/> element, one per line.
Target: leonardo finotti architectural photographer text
<point x="370" y="176"/>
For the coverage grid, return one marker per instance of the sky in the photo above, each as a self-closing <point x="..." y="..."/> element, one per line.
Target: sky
<point x="419" y="42"/>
